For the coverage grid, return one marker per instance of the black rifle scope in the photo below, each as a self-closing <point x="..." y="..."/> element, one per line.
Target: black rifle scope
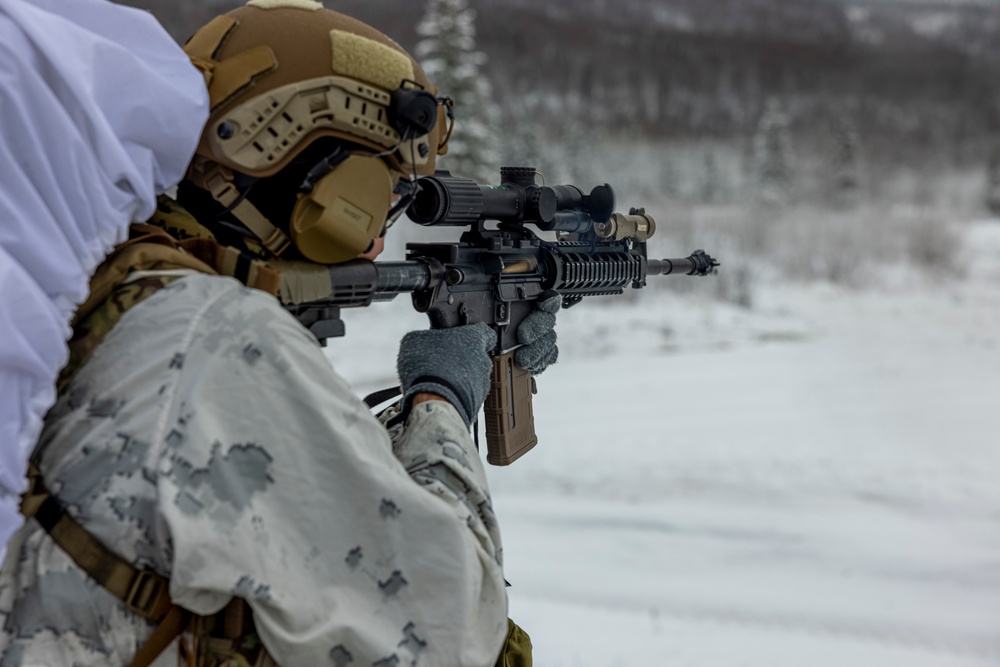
<point x="444" y="199"/>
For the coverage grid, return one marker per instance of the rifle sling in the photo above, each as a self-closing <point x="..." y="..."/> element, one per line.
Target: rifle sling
<point x="379" y="397"/>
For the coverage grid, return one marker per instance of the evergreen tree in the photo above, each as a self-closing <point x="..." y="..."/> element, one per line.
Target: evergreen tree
<point x="524" y="144"/>
<point x="747" y="174"/>
<point x="993" y="160"/>
<point x="843" y="184"/>
<point x="447" y="54"/>
<point x="669" y="176"/>
<point x="772" y="155"/>
<point x="710" y="187"/>
<point x="993" y="177"/>
<point x="579" y="155"/>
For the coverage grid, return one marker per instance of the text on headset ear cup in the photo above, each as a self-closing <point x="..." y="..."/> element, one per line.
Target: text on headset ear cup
<point x="345" y="210"/>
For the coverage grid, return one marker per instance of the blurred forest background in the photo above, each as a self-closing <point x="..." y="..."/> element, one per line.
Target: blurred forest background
<point x="798" y="139"/>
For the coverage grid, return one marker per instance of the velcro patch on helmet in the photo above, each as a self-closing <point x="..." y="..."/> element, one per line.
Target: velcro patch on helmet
<point x="365" y="59"/>
<point x="310" y="5"/>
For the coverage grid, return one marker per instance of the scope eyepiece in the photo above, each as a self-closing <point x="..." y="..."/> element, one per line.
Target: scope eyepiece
<point x="444" y="199"/>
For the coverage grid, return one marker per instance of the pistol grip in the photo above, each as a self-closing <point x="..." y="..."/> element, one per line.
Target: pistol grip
<point x="510" y="421"/>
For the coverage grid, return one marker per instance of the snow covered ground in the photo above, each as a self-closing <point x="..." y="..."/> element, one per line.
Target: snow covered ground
<point x="811" y="482"/>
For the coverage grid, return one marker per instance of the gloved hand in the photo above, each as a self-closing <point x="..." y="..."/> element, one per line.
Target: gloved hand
<point x="452" y="363"/>
<point x="537" y="334"/>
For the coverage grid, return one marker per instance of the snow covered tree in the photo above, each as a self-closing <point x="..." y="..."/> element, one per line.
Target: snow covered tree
<point x="669" y="177"/>
<point x="524" y="142"/>
<point x="578" y="154"/>
<point x="993" y="177"/>
<point x="574" y="154"/>
<point x="843" y="183"/>
<point x="993" y="160"/>
<point x="447" y="54"/>
<point x="772" y="156"/>
<point x="710" y="186"/>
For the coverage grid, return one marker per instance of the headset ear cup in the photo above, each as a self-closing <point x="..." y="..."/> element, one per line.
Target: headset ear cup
<point x="344" y="212"/>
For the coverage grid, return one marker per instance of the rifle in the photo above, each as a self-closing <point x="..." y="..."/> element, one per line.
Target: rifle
<point x="494" y="275"/>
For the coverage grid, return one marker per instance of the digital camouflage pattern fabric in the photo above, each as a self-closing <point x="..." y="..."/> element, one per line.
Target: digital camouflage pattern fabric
<point x="214" y="444"/>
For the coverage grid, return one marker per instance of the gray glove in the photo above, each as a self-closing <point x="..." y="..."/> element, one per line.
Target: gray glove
<point x="452" y="363"/>
<point x="537" y="334"/>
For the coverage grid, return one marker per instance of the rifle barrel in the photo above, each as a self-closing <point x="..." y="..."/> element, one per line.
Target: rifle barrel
<point x="699" y="263"/>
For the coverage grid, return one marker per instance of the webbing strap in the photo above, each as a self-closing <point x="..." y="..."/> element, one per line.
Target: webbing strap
<point x="381" y="396"/>
<point x="168" y="629"/>
<point x="143" y="591"/>
<point x="273" y="238"/>
<point x="218" y="180"/>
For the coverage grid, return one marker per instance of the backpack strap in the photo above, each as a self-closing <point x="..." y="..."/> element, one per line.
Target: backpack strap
<point x="167" y="631"/>
<point x="227" y="635"/>
<point x="144" y="591"/>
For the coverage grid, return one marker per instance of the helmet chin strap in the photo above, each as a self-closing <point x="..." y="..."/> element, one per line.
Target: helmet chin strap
<point x="218" y="180"/>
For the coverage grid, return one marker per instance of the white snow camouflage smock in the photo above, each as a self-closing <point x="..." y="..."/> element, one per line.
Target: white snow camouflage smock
<point x="208" y="439"/>
<point x="100" y="110"/>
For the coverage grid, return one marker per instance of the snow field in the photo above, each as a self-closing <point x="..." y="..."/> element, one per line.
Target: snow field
<point x="809" y="482"/>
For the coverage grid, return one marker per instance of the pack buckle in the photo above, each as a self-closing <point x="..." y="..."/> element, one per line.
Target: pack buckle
<point x="148" y="594"/>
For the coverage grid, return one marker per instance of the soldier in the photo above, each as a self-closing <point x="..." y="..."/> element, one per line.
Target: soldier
<point x="206" y="486"/>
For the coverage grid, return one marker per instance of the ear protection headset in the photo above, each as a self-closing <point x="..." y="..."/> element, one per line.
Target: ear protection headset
<point x="344" y="200"/>
<point x="413" y="112"/>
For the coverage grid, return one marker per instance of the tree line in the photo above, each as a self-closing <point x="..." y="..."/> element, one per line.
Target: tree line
<point x="681" y="70"/>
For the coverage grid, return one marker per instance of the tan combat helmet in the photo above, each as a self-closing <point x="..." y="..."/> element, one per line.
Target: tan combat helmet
<point x="282" y="74"/>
